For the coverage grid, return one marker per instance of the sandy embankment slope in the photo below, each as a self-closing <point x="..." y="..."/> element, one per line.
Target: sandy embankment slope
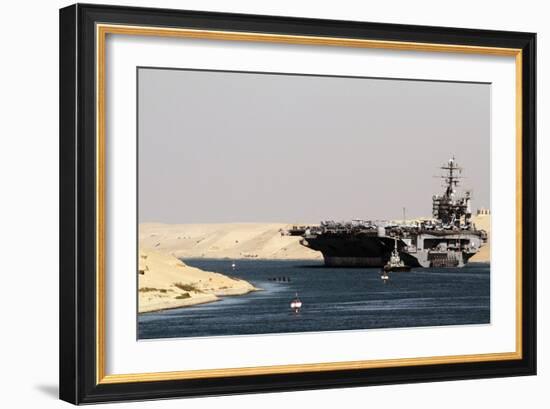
<point x="165" y="282"/>
<point x="483" y="222"/>
<point x="230" y="240"/>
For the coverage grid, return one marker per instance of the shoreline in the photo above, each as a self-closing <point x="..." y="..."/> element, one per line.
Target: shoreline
<point x="199" y="297"/>
<point x="165" y="282"/>
<point x="482" y="258"/>
<point x="194" y="301"/>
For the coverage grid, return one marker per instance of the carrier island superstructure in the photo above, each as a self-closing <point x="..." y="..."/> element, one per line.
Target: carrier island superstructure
<point x="449" y="239"/>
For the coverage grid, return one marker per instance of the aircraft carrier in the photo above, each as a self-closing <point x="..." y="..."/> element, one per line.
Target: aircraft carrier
<point x="449" y="239"/>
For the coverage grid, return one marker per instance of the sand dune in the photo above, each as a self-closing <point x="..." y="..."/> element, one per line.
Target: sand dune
<point x="483" y="222"/>
<point x="165" y="282"/>
<point x="231" y="240"/>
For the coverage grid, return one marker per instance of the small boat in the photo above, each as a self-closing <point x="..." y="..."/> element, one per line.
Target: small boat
<point x="395" y="263"/>
<point x="296" y="304"/>
<point x="233" y="265"/>
<point x="384" y="276"/>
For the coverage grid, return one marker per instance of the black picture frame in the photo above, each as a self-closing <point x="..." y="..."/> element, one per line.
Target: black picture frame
<point x="78" y="237"/>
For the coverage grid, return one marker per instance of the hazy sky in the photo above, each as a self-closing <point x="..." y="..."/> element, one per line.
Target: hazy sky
<point x="244" y="147"/>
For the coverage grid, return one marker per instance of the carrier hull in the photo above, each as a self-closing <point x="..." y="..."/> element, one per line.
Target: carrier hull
<point x="372" y="250"/>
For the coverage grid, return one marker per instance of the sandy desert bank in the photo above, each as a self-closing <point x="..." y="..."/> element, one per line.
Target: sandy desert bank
<point x="166" y="282"/>
<point x="231" y="240"/>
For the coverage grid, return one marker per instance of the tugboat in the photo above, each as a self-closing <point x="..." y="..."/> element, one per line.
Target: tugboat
<point x="395" y="263"/>
<point x="296" y="304"/>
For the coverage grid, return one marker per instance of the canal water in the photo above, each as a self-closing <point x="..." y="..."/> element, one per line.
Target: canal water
<point x="334" y="299"/>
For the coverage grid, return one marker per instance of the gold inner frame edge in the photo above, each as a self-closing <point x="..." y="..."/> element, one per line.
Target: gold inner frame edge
<point x="101" y="32"/>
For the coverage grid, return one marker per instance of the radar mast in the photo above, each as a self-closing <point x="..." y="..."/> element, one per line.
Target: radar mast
<point x="451" y="210"/>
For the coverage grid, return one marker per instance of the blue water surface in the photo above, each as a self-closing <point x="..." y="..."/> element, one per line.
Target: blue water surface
<point x="333" y="299"/>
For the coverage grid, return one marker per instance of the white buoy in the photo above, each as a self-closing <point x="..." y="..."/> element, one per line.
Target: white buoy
<point x="296" y="304"/>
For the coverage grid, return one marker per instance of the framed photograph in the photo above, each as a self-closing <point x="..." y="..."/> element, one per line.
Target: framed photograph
<point x="257" y="203"/>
